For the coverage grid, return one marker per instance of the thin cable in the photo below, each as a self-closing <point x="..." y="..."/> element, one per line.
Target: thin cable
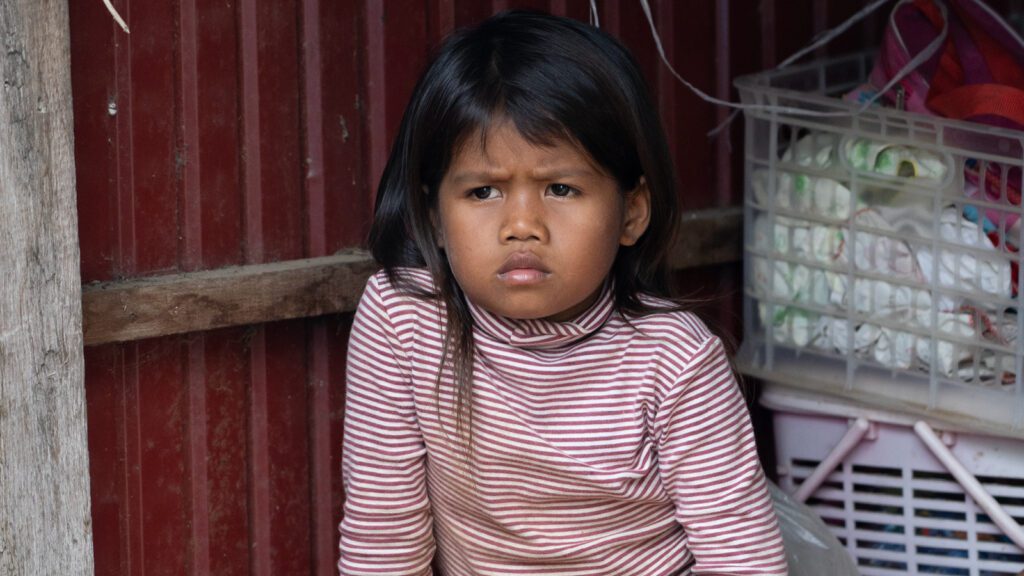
<point x="827" y="36"/>
<point x="817" y="42"/>
<point x="822" y="39"/>
<point x="912" y="65"/>
<point x="117" y="17"/>
<point x="595" y="20"/>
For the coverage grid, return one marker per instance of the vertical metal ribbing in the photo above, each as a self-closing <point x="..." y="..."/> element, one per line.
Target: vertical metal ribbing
<point x="259" y="459"/>
<point x="376" y="92"/>
<point x="323" y="530"/>
<point x="191" y="258"/>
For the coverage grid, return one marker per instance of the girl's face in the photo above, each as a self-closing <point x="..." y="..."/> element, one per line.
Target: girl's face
<point x="532" y="232"/>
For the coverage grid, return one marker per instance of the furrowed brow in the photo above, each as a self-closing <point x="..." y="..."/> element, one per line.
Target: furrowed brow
<point x="466" y="177"/>
<point x="560" y="173"/>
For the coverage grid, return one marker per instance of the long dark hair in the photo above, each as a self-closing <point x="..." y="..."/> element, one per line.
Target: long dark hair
<point x="555" y="79"/>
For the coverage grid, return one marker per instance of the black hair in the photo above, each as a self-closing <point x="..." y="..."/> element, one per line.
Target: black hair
<point x="555" y="79"/>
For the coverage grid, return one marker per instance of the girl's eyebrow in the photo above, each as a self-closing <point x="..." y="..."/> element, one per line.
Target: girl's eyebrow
<point x="557" y="173"/>
<point x="478" y="176"/>
<point x="537" y="174"/>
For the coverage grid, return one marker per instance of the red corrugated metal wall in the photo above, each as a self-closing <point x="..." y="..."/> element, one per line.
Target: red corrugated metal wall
<point x="225" y="132"/>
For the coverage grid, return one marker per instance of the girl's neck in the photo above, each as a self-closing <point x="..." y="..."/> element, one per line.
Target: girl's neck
<point x="543" y="333"/>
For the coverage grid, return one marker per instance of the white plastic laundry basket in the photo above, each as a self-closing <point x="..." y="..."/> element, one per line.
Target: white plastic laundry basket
<point x="891" y="498"/>
<point x="881" y="251"/>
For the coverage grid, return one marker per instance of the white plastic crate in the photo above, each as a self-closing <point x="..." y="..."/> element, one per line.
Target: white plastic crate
<point x="881" y="251"/>
<point x="894" y="505"/>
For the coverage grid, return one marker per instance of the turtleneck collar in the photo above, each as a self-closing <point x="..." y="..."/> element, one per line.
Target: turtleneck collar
<point x="542" y="334"/>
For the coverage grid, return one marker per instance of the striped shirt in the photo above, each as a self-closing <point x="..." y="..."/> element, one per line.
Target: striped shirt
<point x="599" y="448"/>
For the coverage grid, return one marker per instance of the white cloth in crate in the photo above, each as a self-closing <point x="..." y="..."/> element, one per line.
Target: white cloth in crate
<point x="822" y="238"/>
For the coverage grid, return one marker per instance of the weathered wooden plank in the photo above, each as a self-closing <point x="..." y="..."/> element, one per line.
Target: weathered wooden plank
<point x="45" y="524"/>
<point x="180" y="303"/>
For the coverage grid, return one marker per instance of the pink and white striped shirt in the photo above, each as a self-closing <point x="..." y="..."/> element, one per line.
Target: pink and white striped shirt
<point x="599" y="448"/>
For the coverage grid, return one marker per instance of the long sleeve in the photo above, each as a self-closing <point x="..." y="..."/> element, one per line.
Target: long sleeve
<point x="709" y="466"/>
<point x="387" y="523"/>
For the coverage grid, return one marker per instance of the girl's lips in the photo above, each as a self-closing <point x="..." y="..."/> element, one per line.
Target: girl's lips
<point x="522" y="276"/>
<point x="523" y="268"/>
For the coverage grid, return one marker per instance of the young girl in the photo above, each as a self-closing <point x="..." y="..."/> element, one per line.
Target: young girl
<point x="523" y="398"/>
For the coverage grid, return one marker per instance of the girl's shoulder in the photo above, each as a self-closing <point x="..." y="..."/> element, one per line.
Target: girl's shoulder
<point x="408" y="289"/>
<point x="402" y="281"/>
<point x="678" y="340"/>
<point x="669" y="319"/>
<point x="402" y="304"/>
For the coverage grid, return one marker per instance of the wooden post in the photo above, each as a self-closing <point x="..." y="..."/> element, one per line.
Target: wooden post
<point x="45" y="525"/>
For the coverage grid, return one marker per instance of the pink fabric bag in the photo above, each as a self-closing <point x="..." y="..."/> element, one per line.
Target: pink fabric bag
<point x="977" y="74"/>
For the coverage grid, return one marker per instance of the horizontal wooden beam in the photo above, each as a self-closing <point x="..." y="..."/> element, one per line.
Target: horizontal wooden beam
<point x="128" y="310"/>
<point x="180" y="303"/>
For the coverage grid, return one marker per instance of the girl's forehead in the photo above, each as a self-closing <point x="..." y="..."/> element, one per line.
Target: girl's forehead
<point x="502" y="141"/>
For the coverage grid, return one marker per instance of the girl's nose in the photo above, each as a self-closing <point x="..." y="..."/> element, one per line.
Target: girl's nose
<point x="524" y="219"/>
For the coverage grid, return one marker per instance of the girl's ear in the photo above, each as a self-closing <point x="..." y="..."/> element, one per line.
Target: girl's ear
<point x="637" y="213"/>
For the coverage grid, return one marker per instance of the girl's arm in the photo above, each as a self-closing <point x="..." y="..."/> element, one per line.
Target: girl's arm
<point x="709" y="466"/>
<point x="387" y="524"/>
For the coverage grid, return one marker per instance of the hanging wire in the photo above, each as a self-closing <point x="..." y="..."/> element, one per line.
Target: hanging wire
<point x="117" y="17"/>
<point x="595" y="20"/>
<point x="930" y="50"/>
<point x="827" y="36"/>
<point x="818" y="41"/>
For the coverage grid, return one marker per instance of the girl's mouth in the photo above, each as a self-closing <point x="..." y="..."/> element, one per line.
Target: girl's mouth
<point x="523" y="268"/>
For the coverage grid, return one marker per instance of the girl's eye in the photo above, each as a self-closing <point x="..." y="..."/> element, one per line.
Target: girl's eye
<point x="562" y="190"/>
<point x="483" y="192"/>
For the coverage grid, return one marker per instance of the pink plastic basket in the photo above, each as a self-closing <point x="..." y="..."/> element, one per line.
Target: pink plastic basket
<point x="903" y="497"/>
